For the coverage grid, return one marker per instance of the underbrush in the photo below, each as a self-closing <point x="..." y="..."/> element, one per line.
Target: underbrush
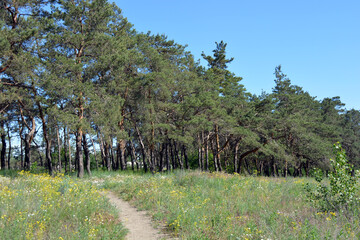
<point x="37" y="206"/>
<point x="196" y="205"/>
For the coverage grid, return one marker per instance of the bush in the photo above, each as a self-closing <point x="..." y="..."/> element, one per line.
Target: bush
<point x="341" y="189"/>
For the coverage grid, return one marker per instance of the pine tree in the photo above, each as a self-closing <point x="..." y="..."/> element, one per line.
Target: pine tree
<point x="76" y="48"/>
<point x="228" y="98"/>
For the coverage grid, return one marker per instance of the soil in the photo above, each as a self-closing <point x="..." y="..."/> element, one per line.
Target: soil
<point x="137" y="222"/>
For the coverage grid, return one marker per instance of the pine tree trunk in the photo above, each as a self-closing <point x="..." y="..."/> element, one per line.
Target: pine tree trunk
<point x="21" y="128"/>
<point x="267" y="170"/>
<point x="143" y="150"/>
<point x="207" y="153"/>
<point x="3" y="148"/>
<point x="27" y="152"/>
<point x="28" y="139"/>
<point x="69" y="146"/>
<point x="181" y="161"/>
<point x="132" y="157"/>
<point x="47" y="149"/>
<point x="203" y="167"/>
<point x="161" y="157"/>
<point x="200" y="154"/>
<point x="48" y="155"/>
<point x="214" y="157"/>
<point x="226" y="162"/>
<point x="218" y="158"/>
<point x="59" y="148"/>
<point x="151" y="161"/>
<point x="178" y="160"/>
<point x="262" y="168"/>
<point x="45" y="134"/>
<point x="144" y="157"/>
<point x="96" y="160"/>
<point x="257" y="165"/>
<point x="112" y="155"/>
<point x="300" y="170"/>
<point x="102" y="150"/>
<point x="167" y="159"/>
<point x="87" y="155"/>
<point x="239" y="165"/>
<point x="274" y="169"/>
<point x="236" y="161"/>
<point x="9" y="153"/>
<point x="199" y="157"/>
<point x="117" y="165"/>
<point x="172" y="155"/>
<point x="106" y="156"/>
<point x="79" y="154"/>
<point x="21" y="153"/>
<point x="186" y="158"/>
<point x="65" y="151"/>
<point x="121" y="150"/>
<point x="155" y="160"/>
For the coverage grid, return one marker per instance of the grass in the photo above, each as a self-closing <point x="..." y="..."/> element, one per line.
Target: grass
<point x="195" y="205"/>
<point x="37" y="206"/>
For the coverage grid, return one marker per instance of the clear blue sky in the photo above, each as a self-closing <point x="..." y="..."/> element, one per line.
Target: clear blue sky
<point x="317" y="42"/>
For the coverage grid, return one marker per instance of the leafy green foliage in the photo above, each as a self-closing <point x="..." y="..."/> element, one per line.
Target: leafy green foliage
<point x="81" y="66"/>
<point x="342" y="188"/>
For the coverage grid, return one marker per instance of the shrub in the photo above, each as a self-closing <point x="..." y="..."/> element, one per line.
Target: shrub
<point x="341" y="189"/>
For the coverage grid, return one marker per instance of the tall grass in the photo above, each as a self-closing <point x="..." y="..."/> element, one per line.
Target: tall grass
<point x="37" y="206"/>
<point x="199" y="205"/>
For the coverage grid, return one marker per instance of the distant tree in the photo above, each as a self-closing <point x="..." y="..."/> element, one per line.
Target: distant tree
<point x="229" y="100"/>
<point x="350" y="134"/>
<point x="298" y="118"/>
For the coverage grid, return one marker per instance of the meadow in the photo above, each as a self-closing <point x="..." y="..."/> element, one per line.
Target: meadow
<point x="37" y="206"/>
<point x="198" y="205"/>
<point x="191" y="205"/>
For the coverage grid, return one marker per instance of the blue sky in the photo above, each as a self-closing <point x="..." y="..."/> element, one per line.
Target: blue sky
<point x="317" y="42"/>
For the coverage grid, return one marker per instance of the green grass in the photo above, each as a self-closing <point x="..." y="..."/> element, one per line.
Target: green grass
<point x="37" y="206"/>
<point x="196" y="205"/>
<point x="193" y="205"/>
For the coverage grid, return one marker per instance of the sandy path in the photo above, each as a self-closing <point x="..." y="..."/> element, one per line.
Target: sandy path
<point x="137" y="222"/>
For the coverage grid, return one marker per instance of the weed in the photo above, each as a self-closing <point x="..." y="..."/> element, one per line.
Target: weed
<point x="198" y="205"/>
<point x="38" y="206"/>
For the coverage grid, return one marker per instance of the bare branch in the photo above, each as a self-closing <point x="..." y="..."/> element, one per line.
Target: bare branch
<point x="4" y="108"/>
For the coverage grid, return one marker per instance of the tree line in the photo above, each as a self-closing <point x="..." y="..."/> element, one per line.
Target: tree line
<point x="76" y="75"/>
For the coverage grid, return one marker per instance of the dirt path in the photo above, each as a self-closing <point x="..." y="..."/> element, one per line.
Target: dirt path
<point x="137" y="222"/>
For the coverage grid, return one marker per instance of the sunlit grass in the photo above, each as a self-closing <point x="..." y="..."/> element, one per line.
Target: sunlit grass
<point x="221" y="206"/>
<point x="38" y="206"/>
<point x="193" y="205"/>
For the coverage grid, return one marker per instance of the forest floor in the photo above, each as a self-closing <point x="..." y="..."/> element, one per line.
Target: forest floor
<point x="138" y="223"/>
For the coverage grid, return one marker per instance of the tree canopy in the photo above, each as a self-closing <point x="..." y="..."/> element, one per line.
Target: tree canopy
<point x="77" y="75"/>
